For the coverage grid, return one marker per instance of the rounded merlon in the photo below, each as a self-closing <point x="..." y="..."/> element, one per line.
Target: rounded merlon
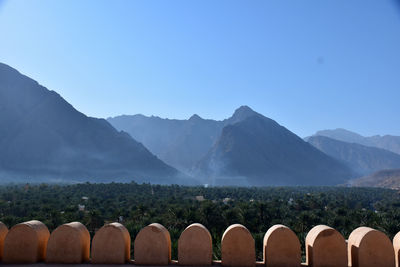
<point x="111" y="245"/>
<point x="195" y="246"/>
<point x="368" y="247"/>
<point x="26" y="243"/>
<point x="69" y="243"/>
<point x="281" y="247"/>
<point x="152" y="246"/>
<point x="325" y="247"/>
<point x="237" y="247"/>
<point x="3" y="233"/>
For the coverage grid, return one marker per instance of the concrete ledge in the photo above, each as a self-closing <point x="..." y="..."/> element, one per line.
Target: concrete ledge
<point x="130" y="263"/>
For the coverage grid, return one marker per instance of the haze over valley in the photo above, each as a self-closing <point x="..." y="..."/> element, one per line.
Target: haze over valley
<point x="44" y="138"/>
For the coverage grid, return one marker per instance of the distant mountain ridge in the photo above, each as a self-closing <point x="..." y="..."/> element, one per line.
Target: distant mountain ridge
<point x="257" y="151"/>
<point x="362" y="159"/>
<point x="245" y="149"/>
<point x="388" y="142"/>
<point x="42" y="138"/>
<point x="180" y="143"/>
<point x="384" y="178"/>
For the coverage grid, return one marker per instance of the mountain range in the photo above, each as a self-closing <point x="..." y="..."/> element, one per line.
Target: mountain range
<point x="388" y="142"/>
<point x="180" y="143"/>
<point x="362" y="159"/>
<point x="43" y="138"/>
<point x="245" y="149"/>
<point x="258" y="151"/>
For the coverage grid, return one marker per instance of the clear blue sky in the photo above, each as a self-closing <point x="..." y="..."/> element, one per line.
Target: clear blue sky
<point x="309" y="65"/>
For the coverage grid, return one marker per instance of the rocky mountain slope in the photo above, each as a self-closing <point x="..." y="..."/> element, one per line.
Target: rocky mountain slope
<point x="388" y="142"/>
<point x="257" y="151"/>
<point x="180" y="143"/>
<point x="362" y="159"/>
<point x="383" y="178"/>
<point x="43" y="138"/>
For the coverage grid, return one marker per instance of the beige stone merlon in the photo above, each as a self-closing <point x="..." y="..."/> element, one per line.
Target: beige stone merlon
<point x="368" y="247"/>
<point x="396" y="246"/>
<point x="195" y="246"/>
<point x="111" y="245"/>
<point x="31" y="242"/>
<point x="26" y="243"/>
<point x="325" y="247"/>
<point x="237" y="247"/>
<point x="69" y="243"/>
<point x="152" y="246"/>
<point x="3" y="233"/>
<point x="281" y="247"/>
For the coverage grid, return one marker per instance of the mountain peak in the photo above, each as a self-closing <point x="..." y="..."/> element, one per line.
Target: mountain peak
<point x="244" y="110"/>
<point x="242" y="113"/>
<point x="195" y="117"/>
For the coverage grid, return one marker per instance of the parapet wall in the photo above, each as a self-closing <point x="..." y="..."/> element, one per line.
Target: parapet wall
<point x="31" y="242"/>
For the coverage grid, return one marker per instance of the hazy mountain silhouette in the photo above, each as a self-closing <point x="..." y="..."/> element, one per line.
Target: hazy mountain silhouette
<point x="245" y="149"/>
<point x="388" y="142"/>
<point x="383" y="178"/>
<point x="43" y="137"/>
<point x="362" y="159"/>
<point x="258" y="151"/>
<point x="180" y="143"/>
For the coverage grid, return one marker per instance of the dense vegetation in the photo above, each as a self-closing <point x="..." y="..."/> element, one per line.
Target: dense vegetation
<point x="176" y="207"/>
